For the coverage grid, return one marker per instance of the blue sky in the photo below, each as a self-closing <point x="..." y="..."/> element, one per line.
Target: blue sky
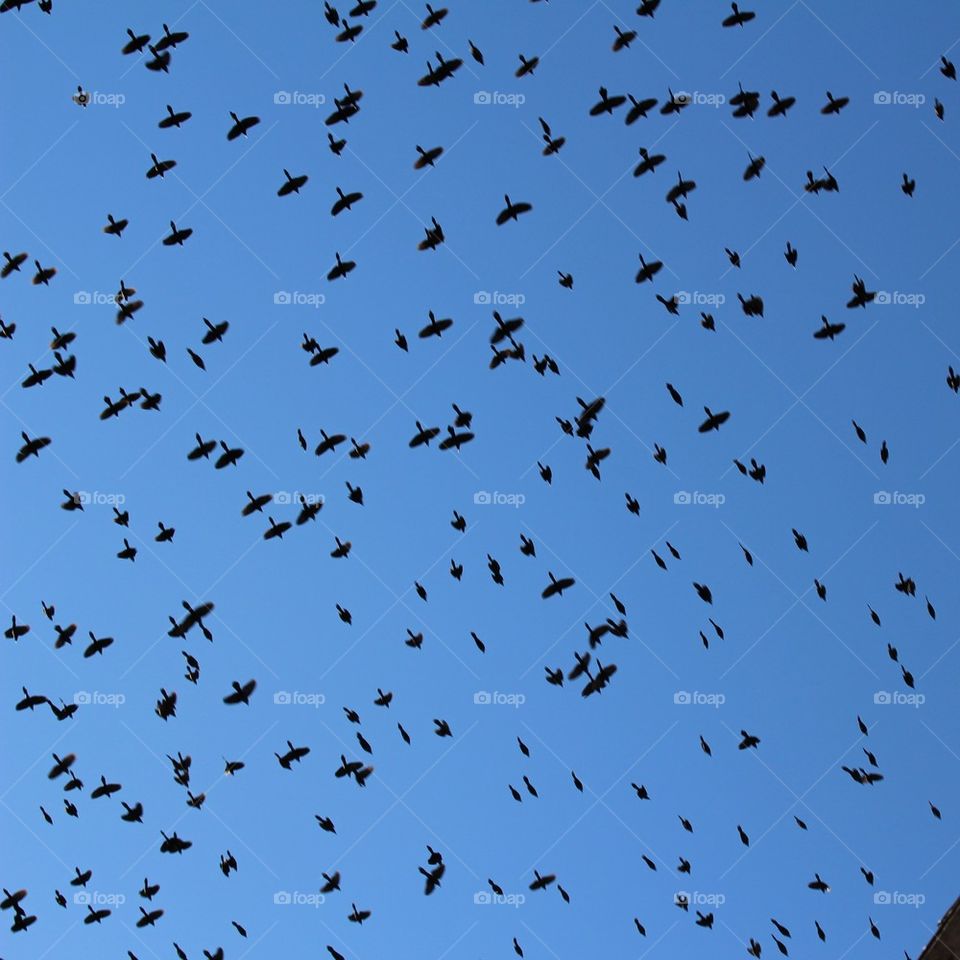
<point x="791" y="669"/>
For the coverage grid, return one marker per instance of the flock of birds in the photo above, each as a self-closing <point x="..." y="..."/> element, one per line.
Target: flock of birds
<point x="158" y="52"/>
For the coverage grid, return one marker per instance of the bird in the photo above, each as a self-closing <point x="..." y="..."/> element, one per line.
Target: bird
<point x="177" y="236"/>
<point x="553" y="144"/>
<point x="607" y="103"/>
<point x="241" y="127"/>
<point x="512" y="210"/>
<point x="739" y="17"/>
<point x="240" y="693"/>
<point x="159" y="168"/>
<point x="541" y="882"/>
<point x="556" y="587"/>
<point x="713" y="421"/>
<point x="291" y="184"/>
<point x="861" y="296"/>
<point x="433" y="17"/>
<point x="674" y="103"/>
<point x="834" y="104"/>
<point x="427" y="157"/>
<point x="780" y="104"/>
<point x="44" y="275"/>
<point x="12" y="263"/>
<point x="623" y="38"/>
<point x="345" y="201"/>
<point x="115" y="227"/>
<point x="174" y="118"/>
<point x="160" y="61"/>
<point x="171" y="38"/>
<point x="754" y="167"/>
<point x="818" y="884"/>
<point x="527" y="66"/>
<point x="827" y="330"/>
<point x="358" y="916"/>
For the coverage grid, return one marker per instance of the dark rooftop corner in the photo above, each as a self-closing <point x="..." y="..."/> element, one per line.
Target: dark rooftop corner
<point x="945" y="943"/>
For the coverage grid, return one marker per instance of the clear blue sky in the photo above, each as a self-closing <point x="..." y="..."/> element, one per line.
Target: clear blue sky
<point x="791" y="669"/>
